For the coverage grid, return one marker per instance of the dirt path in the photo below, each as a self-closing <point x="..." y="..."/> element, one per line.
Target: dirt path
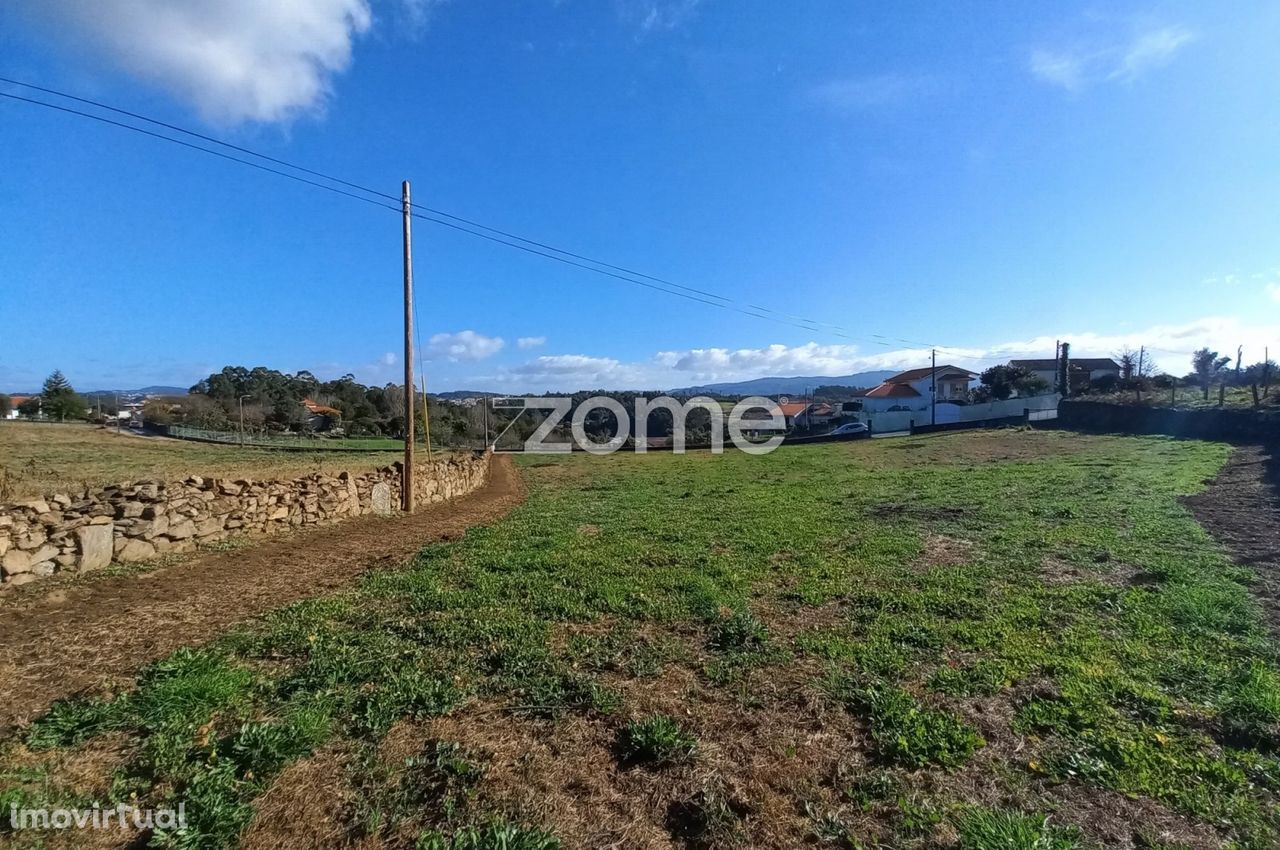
<point x="1241" y="509"/>
<point x="85" y="636"/>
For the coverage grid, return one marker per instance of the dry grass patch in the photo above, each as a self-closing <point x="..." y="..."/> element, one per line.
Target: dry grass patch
<point x="37" y="459"/>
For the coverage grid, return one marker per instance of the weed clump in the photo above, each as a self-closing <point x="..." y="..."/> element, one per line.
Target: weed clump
<point x="990" y="829"/>
<point x="912" y="734"/>
<point x="656" y="741"/>
<point x="497" y="835"/>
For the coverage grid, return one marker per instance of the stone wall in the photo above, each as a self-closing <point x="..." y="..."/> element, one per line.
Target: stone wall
<point x="1227" y="425"/>
<point x="142" y="520"/>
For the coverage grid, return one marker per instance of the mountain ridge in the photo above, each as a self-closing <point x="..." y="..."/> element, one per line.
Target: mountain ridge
<point x="786" y="385"/>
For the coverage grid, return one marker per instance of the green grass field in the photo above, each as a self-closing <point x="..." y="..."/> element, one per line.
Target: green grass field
<point x="983" y="640"/>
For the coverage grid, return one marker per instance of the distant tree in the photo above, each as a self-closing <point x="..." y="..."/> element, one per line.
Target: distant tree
<point x="6" y="406"/>
<point x="1002" y="382"/>
<point x="59" y="399"/>
<point x="1206" y="365"/>
<point x="835" y="392"/>
<point x="1062" y="381"/>
<point x="1128" y="360"/>
<point x="30" y="407"/>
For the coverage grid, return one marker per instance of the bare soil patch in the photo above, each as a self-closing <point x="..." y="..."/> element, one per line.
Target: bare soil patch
<point x="97" y="634"/>
<point x="1241" y="509"/>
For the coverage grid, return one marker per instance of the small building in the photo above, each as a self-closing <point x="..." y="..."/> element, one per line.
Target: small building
<point x="14" y="401"/>
<point x="911" y="390"/>
<point x="802" y="415"/>
<point x="321" y="417"/>
<point x="1083" y="369"/>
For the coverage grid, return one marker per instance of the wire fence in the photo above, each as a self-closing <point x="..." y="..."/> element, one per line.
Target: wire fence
<point x="285" y="442"/>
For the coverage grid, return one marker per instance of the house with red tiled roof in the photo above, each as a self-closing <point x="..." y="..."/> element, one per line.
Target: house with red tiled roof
<point x="14" y="401"/>
<point x="799" y="414"/>
<point x="321" y="417"/>
<point x="915" y="389"/>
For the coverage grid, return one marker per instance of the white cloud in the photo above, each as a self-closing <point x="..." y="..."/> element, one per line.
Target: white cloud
<point x="857" y="93"/>
<point x="1076" y="67"/>
<point x="531" y="341"/>
<point x="1150" y="50"/>
<point x="388" y="359"/>
<point x="1170" y="345"/>
<point x="233" y="60"/>
<point x="657" y="15"/>
<point x="1063" y="69"/>
<point x="1273" y="290"/>
<point x="463" y="345"/>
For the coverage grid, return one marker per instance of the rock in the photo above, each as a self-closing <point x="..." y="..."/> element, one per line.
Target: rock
<point x="129" y="510"/>
<point x="4" y="546"/>
<point x="65" y="562"/>
<point x="21" y="578"/>
<point x="100" y="520"/>
<point x="44" y="553"/>
<point x="15" y="562"/>
<point x="380" y="499"/>
<point x="44" y="568"/>
<point x="136" y="550"/>
<point x="279" y="513"/>
<point x="209" y="526"/>
<point x="93" y="543"/>
<point x="61" y="501"/>
<point x="32" y="539"/>
<point x="181" y="530"/>
<point x="37" y="506"/>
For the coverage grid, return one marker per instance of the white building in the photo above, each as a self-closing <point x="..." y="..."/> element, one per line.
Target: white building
<point x="911" y="390"/>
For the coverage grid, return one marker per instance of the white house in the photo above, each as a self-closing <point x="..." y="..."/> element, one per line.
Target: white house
<point x="910" y="390"/>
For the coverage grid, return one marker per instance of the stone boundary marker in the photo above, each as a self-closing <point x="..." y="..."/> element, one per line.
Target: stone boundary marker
<point x="142" y="520"/>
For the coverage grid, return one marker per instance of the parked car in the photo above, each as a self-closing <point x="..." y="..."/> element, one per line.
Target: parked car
<point x="851" y="431"/>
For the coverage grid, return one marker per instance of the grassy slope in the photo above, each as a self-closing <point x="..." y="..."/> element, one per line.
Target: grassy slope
<point x="38" y="459"/>
<point x="998" y="614"/>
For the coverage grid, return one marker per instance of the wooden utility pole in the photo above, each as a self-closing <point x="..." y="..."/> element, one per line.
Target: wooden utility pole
<point x="406" y="476"/>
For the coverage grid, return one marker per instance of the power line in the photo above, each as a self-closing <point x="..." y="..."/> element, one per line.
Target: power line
<point x="386" y="195"/>
<point x="438" y="217"/>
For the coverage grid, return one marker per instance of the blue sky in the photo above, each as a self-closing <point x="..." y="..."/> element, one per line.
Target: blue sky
<point x="987" y="178"/>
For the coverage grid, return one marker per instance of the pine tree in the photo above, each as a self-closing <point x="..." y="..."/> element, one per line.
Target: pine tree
<point x="59" y="398"/>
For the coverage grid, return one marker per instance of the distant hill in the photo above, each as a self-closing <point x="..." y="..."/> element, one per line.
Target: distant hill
<point x="144" y="391"/>
<point x="785" y="386"/>
<point x="153" y="390"/>
<point x="458" y="395"/>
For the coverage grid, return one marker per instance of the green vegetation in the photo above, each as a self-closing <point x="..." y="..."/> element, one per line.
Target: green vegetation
<point x="656" y="741"/>
<point x="985" y="829"/>
<point x="941" y="598"/>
